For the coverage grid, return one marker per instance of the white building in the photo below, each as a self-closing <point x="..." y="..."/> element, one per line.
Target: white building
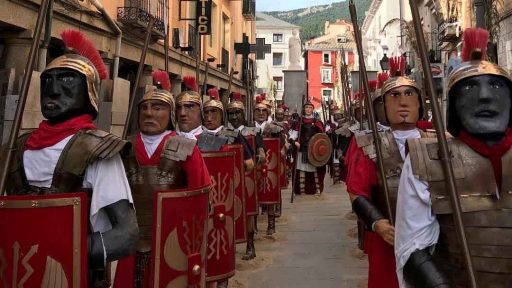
<point x="390" y="41"/>
<point x="270" y="71"/>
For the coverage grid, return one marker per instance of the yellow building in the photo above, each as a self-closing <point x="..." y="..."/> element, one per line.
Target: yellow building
<point x="230" y="20"/>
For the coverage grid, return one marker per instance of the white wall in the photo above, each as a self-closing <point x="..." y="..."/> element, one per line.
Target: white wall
<point x="265" y="69"/>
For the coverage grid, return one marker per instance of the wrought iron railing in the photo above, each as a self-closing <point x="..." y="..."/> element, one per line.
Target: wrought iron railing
<point x="138" y="17"/>
<point x="249" y="9"/>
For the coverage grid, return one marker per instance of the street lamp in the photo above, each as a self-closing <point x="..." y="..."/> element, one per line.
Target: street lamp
<point x="384" y="63"/>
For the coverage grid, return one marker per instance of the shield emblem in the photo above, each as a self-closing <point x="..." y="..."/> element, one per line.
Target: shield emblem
<point x="239" y="184"/>
<point x="251" y="195"/>
<point x="269" y="190"/>
<point x="179" y="238"/>
<point x="319" y="150"/>
<point x="220" y="249"/>
<point x="43" y="242"/>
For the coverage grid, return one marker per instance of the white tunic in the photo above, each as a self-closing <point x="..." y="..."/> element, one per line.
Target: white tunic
<point x="106" y="178"/>
<point x="191" y="134"/>
<point x="151" y="142"/>
<point x="416" y="226"/>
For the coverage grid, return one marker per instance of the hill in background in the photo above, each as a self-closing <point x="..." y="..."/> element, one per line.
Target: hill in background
<point x="312" y="19"/>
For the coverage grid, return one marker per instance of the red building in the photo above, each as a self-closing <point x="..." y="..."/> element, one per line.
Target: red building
<point x="323" y="64"/>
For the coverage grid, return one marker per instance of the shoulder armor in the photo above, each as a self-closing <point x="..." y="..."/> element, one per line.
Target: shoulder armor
<point x="229" y="133"/>
<point x="426" y="160"/>
<point x="210" y="142"/>
<point x="249" y="131"/>
<point x="104" y="145"/>
<point x="178" y="148"/>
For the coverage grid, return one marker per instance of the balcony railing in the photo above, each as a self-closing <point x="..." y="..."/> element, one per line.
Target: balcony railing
<point x="138" y="18"/>
<point x="249" y="9"/>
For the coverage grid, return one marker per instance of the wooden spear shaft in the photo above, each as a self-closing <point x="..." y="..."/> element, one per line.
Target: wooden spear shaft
<point x="443" y="144"/>
<point x="369" y="107"/>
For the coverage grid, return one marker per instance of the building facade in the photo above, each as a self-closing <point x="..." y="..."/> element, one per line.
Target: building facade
<point x="230" y="20"/>
<point x="277" y="33"/>
<point x="324" y="60"/>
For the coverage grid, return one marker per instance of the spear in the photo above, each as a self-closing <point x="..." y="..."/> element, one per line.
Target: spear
<point x="369" y="107"/>
<point x="25" y="84"/>
<point x="137" y="78"/>
<point x="443" y="145"/>
<point x="294" y="178"/>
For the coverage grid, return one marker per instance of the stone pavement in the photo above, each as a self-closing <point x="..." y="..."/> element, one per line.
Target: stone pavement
<point x="315" y="246"/>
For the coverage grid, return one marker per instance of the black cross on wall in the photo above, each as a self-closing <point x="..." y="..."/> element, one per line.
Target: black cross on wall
<point x="260" y="48"/>
<point x="245" y="48"/>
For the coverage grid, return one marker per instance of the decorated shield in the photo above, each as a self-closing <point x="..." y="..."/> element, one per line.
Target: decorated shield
<point x="43" y="241"/>
<point x="239" y="184"/>
<point x="269" y="190"/>
<point x="251" y="197"/>
<point x="319" y="150"/>
<point x="221" y="225"/>
<point x="179" y="238"/>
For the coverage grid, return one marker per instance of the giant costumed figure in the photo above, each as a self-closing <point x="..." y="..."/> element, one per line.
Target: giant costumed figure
<point x="159" y="161"/>
<point x="402" y="107"/>
<point x="216" y="137"/>
<point x="269" y="191"/>
<point x="427" y="250"/>
<point x="236" y="120"/>
<point x="309" y="180"/>
<point x="188" y="110"/>
<point x="68" y="154"/>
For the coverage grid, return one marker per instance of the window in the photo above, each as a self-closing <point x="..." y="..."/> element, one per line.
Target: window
<point x="326" y="76"/>
<point x="277" y="59"/>
<point x="277" y="38"/>
<point x="326" y="94"/>
<point x="278" y="81"/>
<point x="327" y="57"/>
<point x="341" y="39"/>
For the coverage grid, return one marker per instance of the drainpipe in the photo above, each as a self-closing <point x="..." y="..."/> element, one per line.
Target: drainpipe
<point x="43" y="49"/>
<point x="117" y="32"/>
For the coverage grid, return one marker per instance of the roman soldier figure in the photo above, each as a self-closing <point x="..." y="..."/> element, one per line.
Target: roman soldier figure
<point x="189" y="110"/>
<point x="428" y="252"/>
<point x="402" y="106"/>
<point x="269" y="130"/>
<point x="236" y="120"/>
<point x="159" y="160"/>
<point x="308" y="180"/>
<point x="68" y="154"/>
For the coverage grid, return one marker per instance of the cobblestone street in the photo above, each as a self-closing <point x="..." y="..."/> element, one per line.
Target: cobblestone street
<point x="315" y="246"/>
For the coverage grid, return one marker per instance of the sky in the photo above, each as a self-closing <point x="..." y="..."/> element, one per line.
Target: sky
<point x="283" y="5"/>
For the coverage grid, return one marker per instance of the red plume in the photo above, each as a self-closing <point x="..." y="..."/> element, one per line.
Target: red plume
<point x="475" y="44"/>
<point x="402" y="65"/>
<point x="259" y="99"/>
<point x="285" y="107"/>
<point x="263" y="96"/>
<point x="372" y="85"/>
<point x="214" y="93"/>
<point x="382" y="77"/>
<point x="190" y="83"/>
<point x="162" y="78"/>
<point x="235" y="96"/>
<point x="75" y="40"/>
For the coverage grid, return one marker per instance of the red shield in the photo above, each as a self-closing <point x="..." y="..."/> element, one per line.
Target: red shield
<point x="43" y="241"/>
<point x="239" y="184"/>
<point x="269" y="190"/>
<point x="220" y="249"/>
<point x="179" y="238"/>
<point x="251" y="197"/>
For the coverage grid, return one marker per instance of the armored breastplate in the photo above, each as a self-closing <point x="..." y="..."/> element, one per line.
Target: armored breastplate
<point x="144" y="180"/>
<point x="487" y="214"/>
<point x="393" y="164"/>
<point x="83" y="149"/>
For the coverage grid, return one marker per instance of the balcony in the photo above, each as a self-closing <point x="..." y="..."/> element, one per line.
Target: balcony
<point x="136" y="20"/>
<point x="249" y="10"/>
